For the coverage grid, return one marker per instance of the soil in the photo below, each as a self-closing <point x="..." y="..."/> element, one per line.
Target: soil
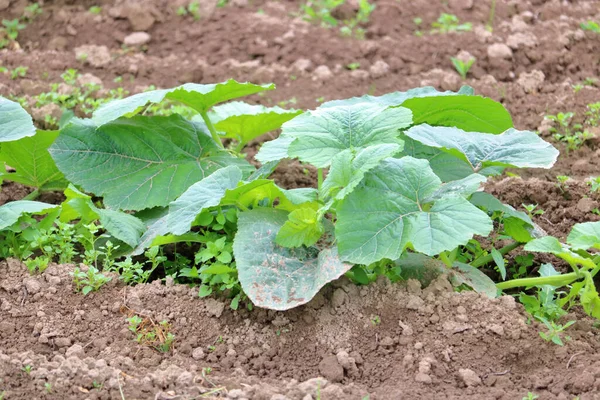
<point x="430" y="343"/>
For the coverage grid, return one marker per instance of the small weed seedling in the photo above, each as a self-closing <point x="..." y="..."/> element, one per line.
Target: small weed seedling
<point x="18" y="72"/>
<point x="462" y="66"/>
<point x="571" y="135"/>
<point x="447" y="23"/>
<point x="418" y="21"/>
<point x="90" y="281"/>
<point x="531" y="396"/>
<point x="555" y="331"/>
<point x="591" y="26"/>
<point x="594" y="183"/>
<point x="48" y="387"/>
<point x="148" y="333"/>
<point x="95" y="10"/>
<point x="193" y="9"/>
<point x="27" y="369"/>
<point x="32" y="11"/>
<point x="375" y="320"/>
<point x="562" y="183"/>
<point x="592" y="115"/>
<point x="353" y="66"/>
<point x="533" y="210"/>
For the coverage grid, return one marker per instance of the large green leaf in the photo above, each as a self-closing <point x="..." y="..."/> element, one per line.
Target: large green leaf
<point x="10" y="212"/>
<point x="397" y="98"/>
<point x="30" y="158"/>
<point x="321" y="134"/>
<point x="244" y="122"/>
<point x="200" y="97"/>
<point x="387" y="213"/>
<point x="520" y="149"/>
<point x="276" y="277"/>
<point x="15" y="122"/>
<point x="585" y="236"/>
<point x="120" y="225"/>
<point x="274" y="150"/>
<point x="140" y="162"/>
<point x="348" y="168"/>
<point x="469" y="113"/>
<point x="550" y="244"/>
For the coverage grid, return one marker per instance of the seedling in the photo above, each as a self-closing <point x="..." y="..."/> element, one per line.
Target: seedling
<point x="27" y="369"/>
<point x="32" y="11"/>
<point x="447" y="23"/>
<point x="48" y="387"/>
<point x="571" y="134"/>
<point x="319" y="11"/>
<point x="462" y="66"/>
<point x="148" y="333"/>
<point x="594" y="183"/>
<point x="591" y="26"/>
<point x="375" y="320"/>
<point x="593" y="114"/>
<point x="95" y="10"/>
<point x="562" y="183"/>
<point x="12" y="28"/>
<point x="86" y="282"/>
<point x="418" y="21"/>
<point x="19" y="72"/>
<point x="532" y="210"/>
<point x="490" y="24"/>
<point x="353" y="66"/>
<point x="555" y="331"/>
<point x="531" y="396"/>
<point x="193" y="9"/>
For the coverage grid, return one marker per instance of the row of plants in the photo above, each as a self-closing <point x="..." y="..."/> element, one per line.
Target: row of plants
<point x="398" y="194"/>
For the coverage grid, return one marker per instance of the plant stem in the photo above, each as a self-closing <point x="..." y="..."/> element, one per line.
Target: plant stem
<point x="488" y="259"/>
<point x="33" y="195"/>
<point x="211" y="128"/>
<point x="492" y="15"/>
<point x="555" y="280"/>
<point x="319" y="178"/>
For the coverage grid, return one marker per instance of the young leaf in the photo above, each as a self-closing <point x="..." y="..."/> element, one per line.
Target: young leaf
<point x="33" y="164"/>
<point x="140" y="162"/>
<point x="499" y="260"/>
<point x="10" y="212"/>
<point x="302" y="228"/>
<point x="512" y="148"/>
<point x="393" y="215"/>
<point x="469" y="113"/>
<point x="348" y="169"/>
<point x="197" y="96"/>
<point x="275" y="277"/>
<point x="321" y="134"/>
<point x="15" y="122"/>
<point x="244" y="122"/>
<point x="584" y="236"/>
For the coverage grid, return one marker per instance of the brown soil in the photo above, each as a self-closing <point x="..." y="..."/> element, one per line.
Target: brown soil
<point x="429" y="344"/>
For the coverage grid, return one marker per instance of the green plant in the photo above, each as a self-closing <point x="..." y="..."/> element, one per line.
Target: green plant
<point x="31" y="11"/>
<point x="447" y="23"/>
<point x="593" y="114"/>
<point x="320" y="11"/>
<point x="353" y="66"/>
<point x="193" y="9"/>
<point x="48" y="387"/>
<point x="490" y="24"/>
<point x="594" y="183"/>
<point x="531" y="396"/>
<point x="86" y="282"/>
<point x="462" y="66"/>
<point x="148" y="333"/>
<point x="562" y="183"/>
<point x="375" y="320"/>
<point x="591" y="26"/>
<point x="18" y="72"/>
<point x="571" y="134"/>
<point x="533" y="210"/>
<point x="27" y="369"/>
<point x="555" y="331"/>
<point x="96" y="10"/>
<point x="418" y="21"/>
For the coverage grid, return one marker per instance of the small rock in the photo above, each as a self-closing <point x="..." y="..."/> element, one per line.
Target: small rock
<point x="311" y="386"/>
<point x="496" y="328"/>
<point x="214" y="307"/>
<point x="461" y="4"/>
<point x="236" y="394"/>
<point x="32" y="285"/>
<point x="4" y="4"/>
<point x="136" y="39"/>
<point x="198" y="353"/>
<point x="333" y="392"/>
<point x="499" y="50"/>
<point x="469" y="377"/>
<point x="387" y="342"/>
<point x="586" y="205"/>
<point x="302" y="65"/>
<point x="532" y="81"/>
<point x="379" y="69"/>
<point x="62" y="342"/>
<point x="58" y="43"/>
<point x="581" y="166"/>
<point x="322" y="73"/>
<point x="521" y="40"/>
<point x="71" y="30"/>
<point x="331" y="369"/>
<point x="423" y="378"/>
<point x="96" y="56"/>
<point x="75" y="351"/>
<point x="338" y="298"/>
<point x="88" y="79"/>
<point x="140" y="18"/>
<point x="359" y="74"/>
<point x="481" y="34"/>
<point x="414" y="302"/>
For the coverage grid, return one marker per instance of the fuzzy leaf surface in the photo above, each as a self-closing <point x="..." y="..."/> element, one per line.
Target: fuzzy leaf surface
<point x="276" y="277"/>
<point x="200" y="97"/>
<point x="15" y="122"/>
<point x="387" y="213"/>
<point x="513" y="148"/>
<point x="140" y="162"/>
<point x="33" y="164"/>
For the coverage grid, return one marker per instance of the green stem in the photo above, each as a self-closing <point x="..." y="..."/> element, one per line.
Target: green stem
<point x="488" y="259"/>
<point x="445" y="259"/>
<point x="320" y="178"/>
<point x="492" y="15"/>
<point x="211" y="128"/>
<point x="33" y="195"/>
<point x="555" y="280"/>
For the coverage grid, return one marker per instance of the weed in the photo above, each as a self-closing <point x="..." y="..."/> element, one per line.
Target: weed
<point x="591" y="26"/>
<point x="561" y="183"/>
<point x="32" y="11"/>
<point x="86" y="282"/>
<point x="418" y="21"/>
<point x="462" y="67"/>
<point x="593" y="114"/>
<point x="594" y="183"/>
<point x="555" y="331"/>
<point x="531" y="396"/>
<point x="27" y="369"/>
<point x="18" y="72"/>
<point x="353" y="66"/>
<point x="532" y="210"/>
<point x="157" y="336"/>
<point x="193" y="9"/>
<point x="375" y="320"/>
<point x="95" y="10"/>
<point x="447" y="23"/>
<point x="570" y="134"/>
<point x="319" y="11"/>
<point x="97" y="385"/>
<point x="48" y="387"/>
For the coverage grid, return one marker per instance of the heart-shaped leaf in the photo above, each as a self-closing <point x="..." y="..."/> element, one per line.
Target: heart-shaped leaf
<point x="15" y="122"/>
<point x="276" y="277"/>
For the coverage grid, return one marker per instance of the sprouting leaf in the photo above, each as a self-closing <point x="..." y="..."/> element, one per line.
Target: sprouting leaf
<point x="469" y="113"/>
<point x="584" y="236"/>
<point x="512" y="148"/>
<point x="302" y="228"/>
<point x="321" y="134"/>
<point x="122" y="226"/>
<point x="33" y="164"/>
<point x="140" y="162"/>
<point x="200" y="97"/>
<point x="11" y="212"/>
<point x="15" y="122"/>
<point x="499" y="260"/>
<point x="276" y="277"/>
<point x="393" y="215"/>
<point x="348" y="169"/>
<point x="244" y="122"/>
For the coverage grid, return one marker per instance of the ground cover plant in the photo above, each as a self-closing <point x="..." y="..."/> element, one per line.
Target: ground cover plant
<point x="410" y="164"/>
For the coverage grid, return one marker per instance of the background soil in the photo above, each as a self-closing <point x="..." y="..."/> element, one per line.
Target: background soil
<point x="431" y="343"/>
